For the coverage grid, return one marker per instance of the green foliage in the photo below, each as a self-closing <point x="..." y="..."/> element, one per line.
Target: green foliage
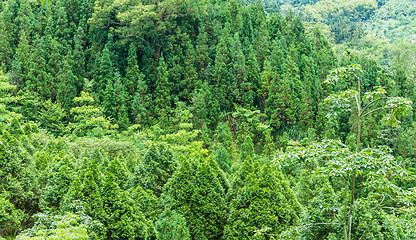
<point x="70" y="225"/>
<point x="171" y="226"/>
<point x="155" y="169"/>
<point x="88" y="119"/>
<point x="10" y="218"/>
<point x="377" y="170"/>
<point x="197" y="192"/>
<point x="260" y="197"/>
<point x="147" y="112"/>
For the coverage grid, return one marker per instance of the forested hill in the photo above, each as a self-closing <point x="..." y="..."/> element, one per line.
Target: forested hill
<point x="190" y="119"/>
<point x="377" y="28"/>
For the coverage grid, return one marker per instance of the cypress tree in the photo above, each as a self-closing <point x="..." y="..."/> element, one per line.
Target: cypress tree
<point x="39" y="80"/>
<point x="104" y="75"/>
<point x="155" y="169"/>
<point x="67" y="86"/>
<point x="122" y="219"/>
<point x="149" y="68"/>
<point x="137" y="89"/>
<point x="260" y="197"/>
<point x="133" y="74"/>
<point x="222" y="157"/>
<point x="221" y="76"/>
<point x="247" y="149"/>
<point x="162" y="100"/>
<point x="241" y="88"/>
<point x="172" y="226"/>
<point x="191" y="80"/>
<point x="202" y="59"/>
<point x="196" y="191"/>
<point x="6" y="50"/>
<point x="19" y="74"/>
<point x="109" y="99"/>
<point x="120" y="98"/>
<point x="79" y="57"/>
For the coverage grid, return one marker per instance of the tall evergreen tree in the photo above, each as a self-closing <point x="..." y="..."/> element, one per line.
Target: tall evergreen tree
<point x="104" y="75"/>
<point x="68" y="82"/>
<point x="121" y="101"/>
<point x="197" y="191"/>
<point x="260" y="197"/>
<point x="155" y="169"/>
<point x="162" y="99"/>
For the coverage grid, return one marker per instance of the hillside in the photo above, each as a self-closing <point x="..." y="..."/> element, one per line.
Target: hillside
<point x="189" y="119"/>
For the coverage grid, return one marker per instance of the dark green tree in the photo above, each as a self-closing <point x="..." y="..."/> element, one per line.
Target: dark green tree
<point x="155" y="169"/>
<point x="196" y="191"/>
<point x="260" y="197"/>
<point x="162" y="98"/>
<point x="172" y="226"/>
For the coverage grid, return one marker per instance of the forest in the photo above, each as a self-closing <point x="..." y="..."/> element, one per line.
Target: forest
<point x="207" y="119"/>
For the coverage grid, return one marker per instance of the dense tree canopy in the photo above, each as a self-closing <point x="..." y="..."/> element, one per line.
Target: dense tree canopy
<point x="186" y="119"/>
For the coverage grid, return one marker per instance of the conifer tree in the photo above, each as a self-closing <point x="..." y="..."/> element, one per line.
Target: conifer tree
<point x="155" y="169"/>
<point x="109" y="99"/>
<point x="133" y="74"/>
<point x="260" y="197"/>
<point x="67" y="86"/>
<point x="137" y="89"/>
<point x="172" y="226"/>
<point x="62" y="30"/>
<point x="162" y="99"/>
<point x="104" y="75"/>
<point x="191" y="80"/>
<point x="149" y="68"/>
<point x="221" y="76"/>
<point x="121" y="216"/>
<point x="222" y="157"/>
<point x="39" y="80"/>
<point x="241" y="88"/>
<point x="196" y="191"/>
<point x="202" y="59"/>
<point x="253" y="78"/>
<point x="119" y="171"/>
<point x="19" y="74"/>
<point x="6" y="50"/>
<point x="79" y="56"/>
<point x="247" y="149"/>
<point x="120" y="98"/>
